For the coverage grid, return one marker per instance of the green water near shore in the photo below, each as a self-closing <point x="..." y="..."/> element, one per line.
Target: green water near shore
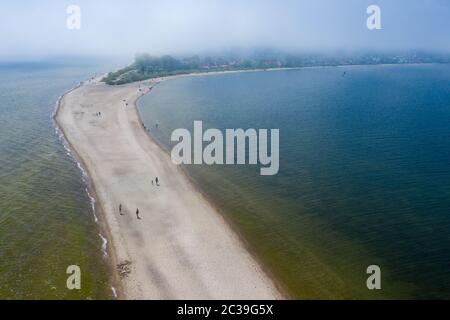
<point x="363" y="173"/>
<point x="46" y="219"/>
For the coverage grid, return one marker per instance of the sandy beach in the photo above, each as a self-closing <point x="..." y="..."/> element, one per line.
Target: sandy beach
<point x="181" y="248"/>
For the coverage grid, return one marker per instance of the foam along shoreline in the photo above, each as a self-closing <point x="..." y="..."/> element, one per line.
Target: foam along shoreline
<point x="181" y="248"/>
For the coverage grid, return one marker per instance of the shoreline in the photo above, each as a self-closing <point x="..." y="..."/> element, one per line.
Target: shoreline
<point x="219" y="72"/>
<point x="96" y="207"/>
<point x="266" y="288"/>
<point x="235" y="228"/>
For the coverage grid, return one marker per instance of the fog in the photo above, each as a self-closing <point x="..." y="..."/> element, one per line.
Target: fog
<point x="31" y="29"/>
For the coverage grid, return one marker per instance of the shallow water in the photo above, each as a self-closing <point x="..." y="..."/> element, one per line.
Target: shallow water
<point x="364" y="176"/>
<point x="46" y="219"/>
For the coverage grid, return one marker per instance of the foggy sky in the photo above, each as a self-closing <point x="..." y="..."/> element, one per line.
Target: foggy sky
<point x="37" y="28"/>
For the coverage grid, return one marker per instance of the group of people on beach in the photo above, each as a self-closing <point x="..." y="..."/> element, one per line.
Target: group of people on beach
<point x="98" y="114"/>
<point x="149" y="88"/>
<point x="137" y="212"/>
<point x="156" y="182"/>
<point x="140" y="90"/>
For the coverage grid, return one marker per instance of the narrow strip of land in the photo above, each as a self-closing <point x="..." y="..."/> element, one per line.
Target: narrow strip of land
<point x="178" y="246"/>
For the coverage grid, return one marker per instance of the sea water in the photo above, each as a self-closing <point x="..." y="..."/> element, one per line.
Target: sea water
<point x="364" y="174"/>
<point x="46" y="217"/>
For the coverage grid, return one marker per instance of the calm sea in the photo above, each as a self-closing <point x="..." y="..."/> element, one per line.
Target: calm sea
<point x="46" y="219"/>
<point x="364" y="173"/>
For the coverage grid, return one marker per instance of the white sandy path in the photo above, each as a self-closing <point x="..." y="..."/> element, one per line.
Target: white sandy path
<point x="182" y="248"/>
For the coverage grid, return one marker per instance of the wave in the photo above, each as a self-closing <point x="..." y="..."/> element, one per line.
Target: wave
<point x="84" y="176"/>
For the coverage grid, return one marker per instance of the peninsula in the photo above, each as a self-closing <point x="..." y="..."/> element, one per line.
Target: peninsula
<point x="177" y="246"/>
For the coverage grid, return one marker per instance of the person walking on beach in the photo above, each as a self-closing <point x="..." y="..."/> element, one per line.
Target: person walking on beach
<point x="120" y="209"/>
<point x="152" y="183"/>
<point x="157" y="181"/>
<point x="137" y="214"/>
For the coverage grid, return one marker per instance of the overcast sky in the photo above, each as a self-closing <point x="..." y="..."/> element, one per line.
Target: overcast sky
<point x="37" y="28"/>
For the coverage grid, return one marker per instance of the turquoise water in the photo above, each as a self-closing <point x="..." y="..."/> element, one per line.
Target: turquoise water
<point x="364" y="173"/>
<point x="46" y="219"/>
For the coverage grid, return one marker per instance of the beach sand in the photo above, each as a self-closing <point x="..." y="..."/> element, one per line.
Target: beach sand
<point x="181" y="248"/>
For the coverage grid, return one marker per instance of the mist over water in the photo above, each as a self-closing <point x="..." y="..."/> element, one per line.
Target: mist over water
<point x="46" y="219"/>
<point x="38" y="28"/>
<point x="363" y="174"/>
